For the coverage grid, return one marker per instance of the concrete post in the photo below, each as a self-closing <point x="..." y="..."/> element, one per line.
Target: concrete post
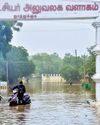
<point x="96" y="77"/>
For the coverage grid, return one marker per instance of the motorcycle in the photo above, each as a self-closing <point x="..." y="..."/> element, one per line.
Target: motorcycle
<point x="13" y="100"/>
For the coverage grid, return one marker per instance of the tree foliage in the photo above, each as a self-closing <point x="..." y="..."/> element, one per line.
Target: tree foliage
<point x="18" y="63"/>
<point x="14" y="61"/>
<point x="46" y="64"/>
<point x="90" y="63"/>
<point x="5" y="38"/>
<point x="6" y="35"/>
<point x="70" y="67"/>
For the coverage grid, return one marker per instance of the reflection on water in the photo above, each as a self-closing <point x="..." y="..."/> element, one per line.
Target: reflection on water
<point x="55" y="104"/>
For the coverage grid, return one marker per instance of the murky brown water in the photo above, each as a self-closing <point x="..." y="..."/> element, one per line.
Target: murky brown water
<point x="52" y="105"/>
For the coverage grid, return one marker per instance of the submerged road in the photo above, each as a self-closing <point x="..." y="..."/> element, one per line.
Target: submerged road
<point x="53" y="105"/>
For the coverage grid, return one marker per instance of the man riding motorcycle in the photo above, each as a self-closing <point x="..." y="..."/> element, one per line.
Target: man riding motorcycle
<point x="21" y="90"/>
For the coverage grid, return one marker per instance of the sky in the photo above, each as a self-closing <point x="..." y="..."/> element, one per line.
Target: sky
<point x="55" y="36"/>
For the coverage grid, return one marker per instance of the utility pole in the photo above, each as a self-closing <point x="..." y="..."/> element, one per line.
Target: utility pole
<point x="76" y="52"/>
<point x="7" y="71"/>
<point x="84" y="66"/>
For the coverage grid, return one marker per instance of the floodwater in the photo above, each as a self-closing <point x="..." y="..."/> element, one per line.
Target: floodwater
<point x="53" y="104"/>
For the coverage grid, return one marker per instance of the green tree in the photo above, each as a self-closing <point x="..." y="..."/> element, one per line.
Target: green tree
<point x="70" y="72"/>
<point x="46" y="64"/>
<point x="18" y="63"/>
<point x="5" y="38"/>
<point x="6" y="35"/>
<point x="70" y="69"/>
<point x="90" y="64"/>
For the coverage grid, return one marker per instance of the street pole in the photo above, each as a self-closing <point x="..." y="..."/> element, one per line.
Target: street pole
<point x="7" y="71"/>
<point x="84" y="66"/>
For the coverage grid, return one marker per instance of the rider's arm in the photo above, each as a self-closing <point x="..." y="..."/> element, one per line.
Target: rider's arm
<point x="16" y="87"/>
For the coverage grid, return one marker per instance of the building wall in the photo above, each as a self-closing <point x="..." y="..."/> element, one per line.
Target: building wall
<point x="56" y="78"/>
<point x="3" y="85"/>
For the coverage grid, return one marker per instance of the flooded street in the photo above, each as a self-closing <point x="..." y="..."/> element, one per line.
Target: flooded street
<point x="52" y="105"/>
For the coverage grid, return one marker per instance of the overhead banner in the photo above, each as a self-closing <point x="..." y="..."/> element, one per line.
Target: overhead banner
<point x="47" y="9"/>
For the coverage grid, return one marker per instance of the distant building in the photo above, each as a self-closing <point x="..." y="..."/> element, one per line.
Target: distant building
<point x="52" y="78"/>
<point x="3" y="85"/>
